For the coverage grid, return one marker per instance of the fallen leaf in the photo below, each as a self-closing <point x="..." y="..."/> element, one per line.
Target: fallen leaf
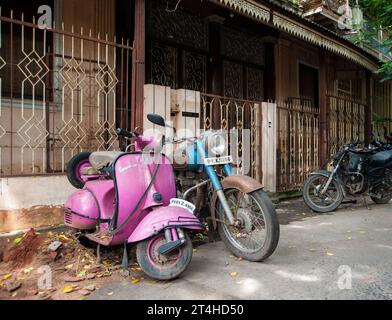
<point x="194" y="250"/>
<point x="7" y="276"/>
<point x="82" y="298"/>
<point x="70" y="266"/>
<point x="28" y="270"/>
<point x="135" y="280"/>
<point x="292" y="247"/>
<point x="17" y="240"/>
<point x="82" y="274"/>
<point x="110" y="293"/>
<point x="234" y="274"/>
<point x="330" y="254"/>
<point x="14" y="294"/>
<point x="50" y="234"/>
<point x="68" y="288"/>
<point x="61" y="236"/>
<point x="363" y="232"/>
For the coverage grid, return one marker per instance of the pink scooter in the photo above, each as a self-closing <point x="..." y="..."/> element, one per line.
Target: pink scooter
<point x="130" y="197"/>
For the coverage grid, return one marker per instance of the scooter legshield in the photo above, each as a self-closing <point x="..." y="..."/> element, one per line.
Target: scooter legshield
<point x="163" y="218"/>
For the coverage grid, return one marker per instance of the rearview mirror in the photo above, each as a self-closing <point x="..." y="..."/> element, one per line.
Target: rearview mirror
<point x="156" y="119"/>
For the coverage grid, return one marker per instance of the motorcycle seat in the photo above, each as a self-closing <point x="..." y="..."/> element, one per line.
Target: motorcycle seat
<point x="101" y="159"/>
<point x="382" y="159"/>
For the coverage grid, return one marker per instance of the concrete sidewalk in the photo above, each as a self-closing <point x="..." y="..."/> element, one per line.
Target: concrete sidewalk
<point x="304" y="266"/>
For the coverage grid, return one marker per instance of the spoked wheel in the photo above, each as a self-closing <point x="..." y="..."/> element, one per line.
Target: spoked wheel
<point x="256" y="235"/>
<point x="75" y="168"/>
<point x="163" y="267"/>
<point x="327" y="202"/>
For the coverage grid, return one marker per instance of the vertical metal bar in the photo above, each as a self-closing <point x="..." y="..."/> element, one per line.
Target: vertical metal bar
<point x="12" y="91"/>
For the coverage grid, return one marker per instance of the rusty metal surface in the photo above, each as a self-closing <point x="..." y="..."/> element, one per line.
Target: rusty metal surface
<point x="298" y="142"/>
<point x="243" y="183"/>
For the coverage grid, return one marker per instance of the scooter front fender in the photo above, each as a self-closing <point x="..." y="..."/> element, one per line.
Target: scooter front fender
<point x="162" y="218"/>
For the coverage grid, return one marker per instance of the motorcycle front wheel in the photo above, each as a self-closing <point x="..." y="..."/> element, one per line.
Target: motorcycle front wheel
<point x="257" y="235"/>
<point x="327" y="202"/>
<point x="163" y="267"/>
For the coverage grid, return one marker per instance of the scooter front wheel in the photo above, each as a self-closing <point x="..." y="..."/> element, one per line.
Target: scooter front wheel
<point x="163" y="267"/>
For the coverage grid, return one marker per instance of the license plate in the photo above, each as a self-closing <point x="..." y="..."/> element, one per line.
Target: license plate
<point x="217" y="161"/>
<point x="182" y="204"/>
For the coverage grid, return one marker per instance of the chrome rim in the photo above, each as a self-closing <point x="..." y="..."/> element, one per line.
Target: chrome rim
<point x="329" y="198"/>
<point x="251" y="235"/>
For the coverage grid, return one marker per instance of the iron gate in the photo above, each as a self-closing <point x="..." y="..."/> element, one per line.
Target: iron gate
<point x="60" y="93"/>
<point x="241" y="120"/>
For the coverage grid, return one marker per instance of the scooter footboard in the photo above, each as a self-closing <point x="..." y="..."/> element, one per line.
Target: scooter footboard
<point x="163" y="218"/>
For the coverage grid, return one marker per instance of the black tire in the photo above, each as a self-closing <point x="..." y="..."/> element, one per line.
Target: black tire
<point x="72" y="166"/>
<point x="271" y="225"/>
<point x="383" y="200"/>
<point x="314" y="206"/>
<point x="162" y="273"/>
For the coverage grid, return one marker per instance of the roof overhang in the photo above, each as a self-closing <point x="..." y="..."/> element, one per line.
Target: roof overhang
<point x="283" y="22"/>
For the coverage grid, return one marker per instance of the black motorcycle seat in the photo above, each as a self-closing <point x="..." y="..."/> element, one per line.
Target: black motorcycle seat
<point x="382" y="159"/>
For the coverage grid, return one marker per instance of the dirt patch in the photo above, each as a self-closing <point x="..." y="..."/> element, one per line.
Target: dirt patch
<point x="30" y="270"/>
<point x="57" y="266"/>
<point x="22" y="254"/>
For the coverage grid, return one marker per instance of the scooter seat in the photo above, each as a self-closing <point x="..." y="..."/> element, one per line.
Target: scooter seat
<point x="101" y="159"/>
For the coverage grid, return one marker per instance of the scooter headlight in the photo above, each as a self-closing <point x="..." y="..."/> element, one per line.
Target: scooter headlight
<point x="216" y="144"/>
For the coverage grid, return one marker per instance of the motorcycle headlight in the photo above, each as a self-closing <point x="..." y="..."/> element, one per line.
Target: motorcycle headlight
<point x="216" y="144"/>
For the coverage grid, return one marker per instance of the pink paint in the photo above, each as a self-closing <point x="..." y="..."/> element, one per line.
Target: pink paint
<point x="133" y="173"/>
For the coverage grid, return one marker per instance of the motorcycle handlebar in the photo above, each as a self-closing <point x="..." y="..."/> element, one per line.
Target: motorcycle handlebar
<point x="124" y="133"/>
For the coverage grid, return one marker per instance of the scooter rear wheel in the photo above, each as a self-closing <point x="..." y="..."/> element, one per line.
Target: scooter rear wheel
<point x="163" y="267"/>
<point x="75" y="167"/>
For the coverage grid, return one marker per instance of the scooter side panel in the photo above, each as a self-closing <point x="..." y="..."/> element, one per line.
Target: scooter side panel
<point x="162" y="218"/>
<point x="133" y="173"/>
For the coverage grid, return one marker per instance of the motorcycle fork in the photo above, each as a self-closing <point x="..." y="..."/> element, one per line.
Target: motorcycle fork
<point x="324" y="190"/>
<point x="216" y="183"/>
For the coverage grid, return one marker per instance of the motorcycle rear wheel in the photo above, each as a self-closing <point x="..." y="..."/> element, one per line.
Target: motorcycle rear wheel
<point x="315" y="183"/>
<point x="258" y="236"/>
<point x="163" y="267"/>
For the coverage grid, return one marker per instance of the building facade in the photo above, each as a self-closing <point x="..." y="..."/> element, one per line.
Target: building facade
<point x="99" y="65"/>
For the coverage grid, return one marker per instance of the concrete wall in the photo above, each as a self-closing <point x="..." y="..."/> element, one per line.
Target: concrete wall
<point x="26" y="192"/>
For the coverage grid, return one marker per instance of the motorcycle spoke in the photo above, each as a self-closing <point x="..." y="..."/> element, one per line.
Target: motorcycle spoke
<point x="252" y="234"/>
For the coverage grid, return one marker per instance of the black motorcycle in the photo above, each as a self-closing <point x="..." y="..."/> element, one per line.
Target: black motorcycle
<point x="356" y="171"/>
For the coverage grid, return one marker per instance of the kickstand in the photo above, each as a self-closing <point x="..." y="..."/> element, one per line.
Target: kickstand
<point x="211" y="231"/>
<point x="125" y="261"/>
<point x="99" y="253"/>
<point x="366" y="203"/>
